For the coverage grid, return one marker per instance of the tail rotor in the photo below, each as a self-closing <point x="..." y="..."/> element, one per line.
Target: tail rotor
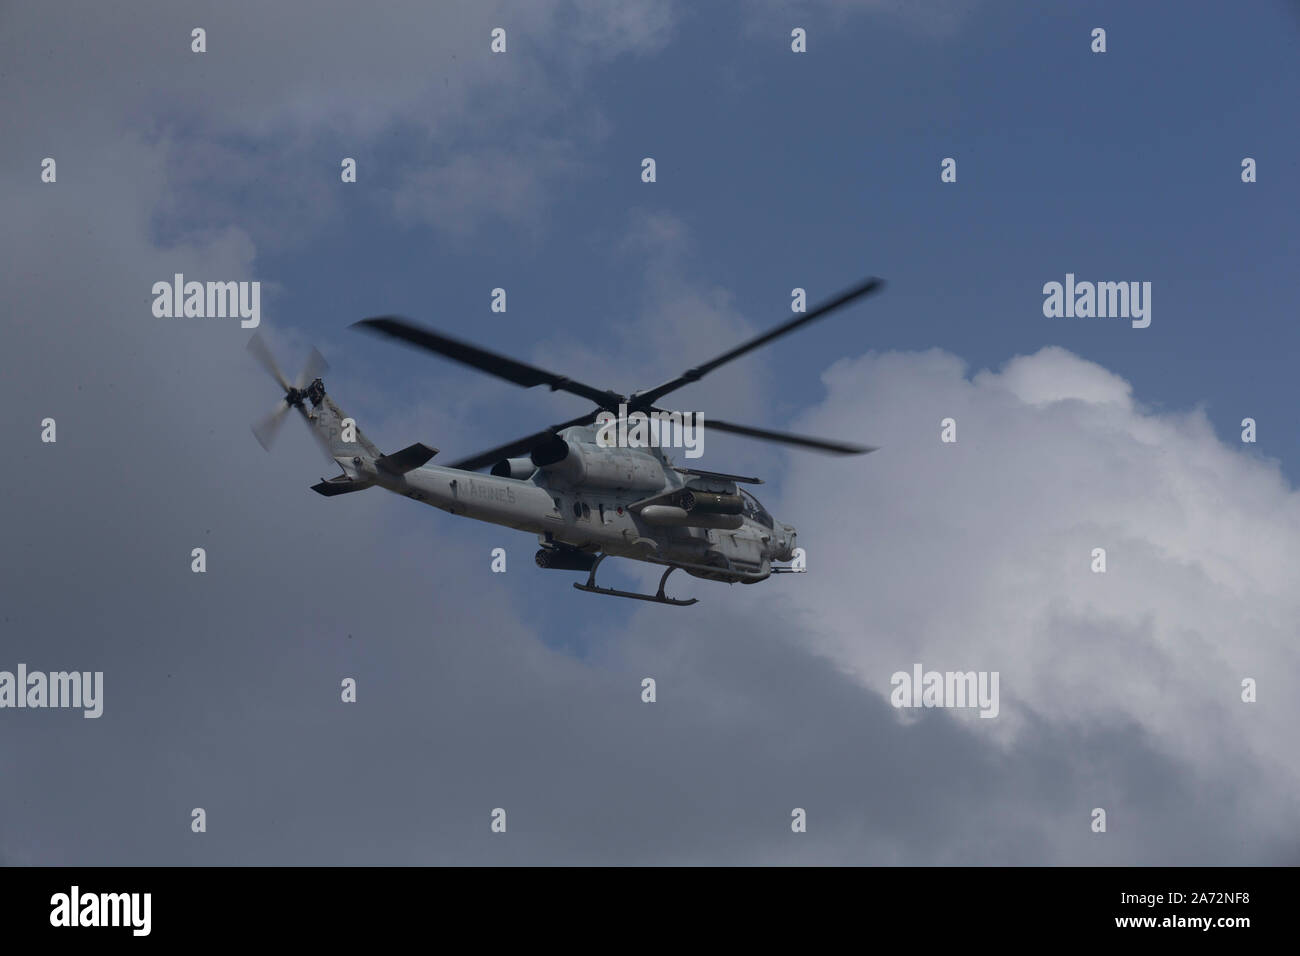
<point x="268" y="428"/>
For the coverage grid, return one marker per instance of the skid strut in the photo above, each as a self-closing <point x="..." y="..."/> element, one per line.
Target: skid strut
<point x="658" y="598"/>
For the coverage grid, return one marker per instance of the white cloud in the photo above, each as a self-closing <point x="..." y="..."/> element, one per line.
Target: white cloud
<point x="977" y="555"/>
<point x="1055" y="375"/>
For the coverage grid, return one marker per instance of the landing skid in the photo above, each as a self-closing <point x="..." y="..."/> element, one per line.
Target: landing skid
<point x="659" y="598"/>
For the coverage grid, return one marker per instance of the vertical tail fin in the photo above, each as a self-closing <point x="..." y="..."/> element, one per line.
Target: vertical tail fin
<point x="337" y="433"/>
<point x="348" y="445"/>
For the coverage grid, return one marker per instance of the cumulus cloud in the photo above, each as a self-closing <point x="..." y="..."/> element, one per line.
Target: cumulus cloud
<point x="977" y="555"/>
<point x="309" y="83"/>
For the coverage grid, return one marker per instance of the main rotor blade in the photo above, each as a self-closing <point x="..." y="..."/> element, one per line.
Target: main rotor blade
<point x="266" y="430"/>
<point x="499" y="365"/>
<point x="642" y="399"/>
<point x="316" y="367"/>
<point x="527" y="443"/>
<point x="257" y="346"/>
<point x="787" y="438"/>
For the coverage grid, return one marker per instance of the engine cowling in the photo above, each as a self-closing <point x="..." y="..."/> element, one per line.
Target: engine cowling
<point x="582" y="464"/>
<point x="519" y="468"/>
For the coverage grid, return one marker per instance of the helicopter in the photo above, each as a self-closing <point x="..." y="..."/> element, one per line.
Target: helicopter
<point x="585" y="497"/>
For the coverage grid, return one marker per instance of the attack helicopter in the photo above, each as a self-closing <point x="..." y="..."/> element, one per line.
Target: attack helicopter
<point x="584" y="496"/>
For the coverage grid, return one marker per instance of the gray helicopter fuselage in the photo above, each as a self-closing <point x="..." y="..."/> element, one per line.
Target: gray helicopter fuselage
<point x="590" y="502"/>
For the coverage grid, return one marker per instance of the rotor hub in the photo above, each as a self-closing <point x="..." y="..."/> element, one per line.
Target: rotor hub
<point x="314" y="393"/>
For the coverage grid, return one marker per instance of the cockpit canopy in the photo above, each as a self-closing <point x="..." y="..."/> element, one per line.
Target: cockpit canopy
<point x="755" y="510"/>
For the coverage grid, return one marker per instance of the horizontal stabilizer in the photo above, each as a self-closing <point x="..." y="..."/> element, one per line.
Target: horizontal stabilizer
<point x="408" y="459"/>
<point x="339" y="486"/>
